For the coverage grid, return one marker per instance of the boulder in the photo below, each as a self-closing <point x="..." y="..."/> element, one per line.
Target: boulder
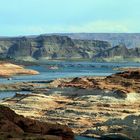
<point x="120" y="93"/>
<point x="130" y="74"/>
<point x="12" y="123"/>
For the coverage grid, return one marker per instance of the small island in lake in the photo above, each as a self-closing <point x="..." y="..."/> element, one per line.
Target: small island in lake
<point x="8" y="70"/>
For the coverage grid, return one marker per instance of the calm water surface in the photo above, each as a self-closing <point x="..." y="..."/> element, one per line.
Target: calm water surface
<point x="83" y="138"/>
<point x="70" y="69"/>
<point x="7" y="94"/>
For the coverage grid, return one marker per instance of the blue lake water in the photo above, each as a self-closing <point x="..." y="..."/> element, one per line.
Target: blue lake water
<point x="7" y="94"/>
<point x="66" y="69"/>
<point x="83" y="138"/>
<point x="70" y="69"/>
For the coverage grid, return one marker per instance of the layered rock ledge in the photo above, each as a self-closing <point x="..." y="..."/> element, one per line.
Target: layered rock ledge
<point x="125" y="82"/>
<point x="13" y="126"/>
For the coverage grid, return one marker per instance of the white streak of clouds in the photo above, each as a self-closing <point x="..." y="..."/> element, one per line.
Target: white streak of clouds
<point x="100" y="26"/>
<point x="95" y="26"/>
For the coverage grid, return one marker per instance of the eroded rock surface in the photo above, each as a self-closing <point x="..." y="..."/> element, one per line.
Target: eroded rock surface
<point x="126" y="82"/>
<point x="85" y="111"/>
<point x="15" y="126"/>
<point x="23" y="86"/>
<point x="89" y="106"/>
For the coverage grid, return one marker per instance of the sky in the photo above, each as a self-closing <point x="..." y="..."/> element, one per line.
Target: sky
<point x="33" y="17"/>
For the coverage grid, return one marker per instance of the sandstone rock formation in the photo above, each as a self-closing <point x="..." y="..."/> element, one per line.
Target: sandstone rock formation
<point x="63" y="47"/>
<point x="120" y="50"/>
<point x="129" y="39"/>
<point x="50" y="47"/>
<point x="86" y="112"/>
<point x="23" y="86"/>
<point x="95" y="107"/>
<point x="120" y="83"/>
<point x="9" y="69"/>
<point x="15" y="126"/>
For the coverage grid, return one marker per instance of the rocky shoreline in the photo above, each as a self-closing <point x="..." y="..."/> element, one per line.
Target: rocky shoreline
<point x="95" y="107"/>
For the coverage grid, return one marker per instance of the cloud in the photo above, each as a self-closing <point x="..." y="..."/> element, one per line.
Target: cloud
<point x="101" y="26"/>
<point x="94" y="26"/>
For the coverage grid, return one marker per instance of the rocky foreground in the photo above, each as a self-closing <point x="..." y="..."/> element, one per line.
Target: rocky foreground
<point x="8" y="70"/>
<point x="13" y="126"/>
<point x="96" y="107"/>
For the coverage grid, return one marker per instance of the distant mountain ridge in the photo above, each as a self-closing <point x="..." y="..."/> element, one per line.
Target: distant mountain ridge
<point x="50" y="47"/>
<point x="71" y="46"/>
<point x="119" y="53"/>
<point x="131" y="40"/>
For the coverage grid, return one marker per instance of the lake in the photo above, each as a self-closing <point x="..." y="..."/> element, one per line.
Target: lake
<point x="6" y="94"/>
<point x="83" y="138"/>
<point x="70" y="69"/>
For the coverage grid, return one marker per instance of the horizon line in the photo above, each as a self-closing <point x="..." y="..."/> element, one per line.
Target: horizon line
<point x="59" y="33"/>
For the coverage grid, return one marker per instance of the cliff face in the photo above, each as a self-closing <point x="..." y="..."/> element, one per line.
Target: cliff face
<point x="119" y="50"/>
<point x="119" y="53"/>
<point x="131" y="40"/>
<point x="89" y="48"/>
<point x="55" y="47"/>
<point x="50" y="47"/>
<point x="63" y="47"/>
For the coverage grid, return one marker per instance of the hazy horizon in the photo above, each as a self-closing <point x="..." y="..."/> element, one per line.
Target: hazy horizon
<point x="63" y="33"/>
